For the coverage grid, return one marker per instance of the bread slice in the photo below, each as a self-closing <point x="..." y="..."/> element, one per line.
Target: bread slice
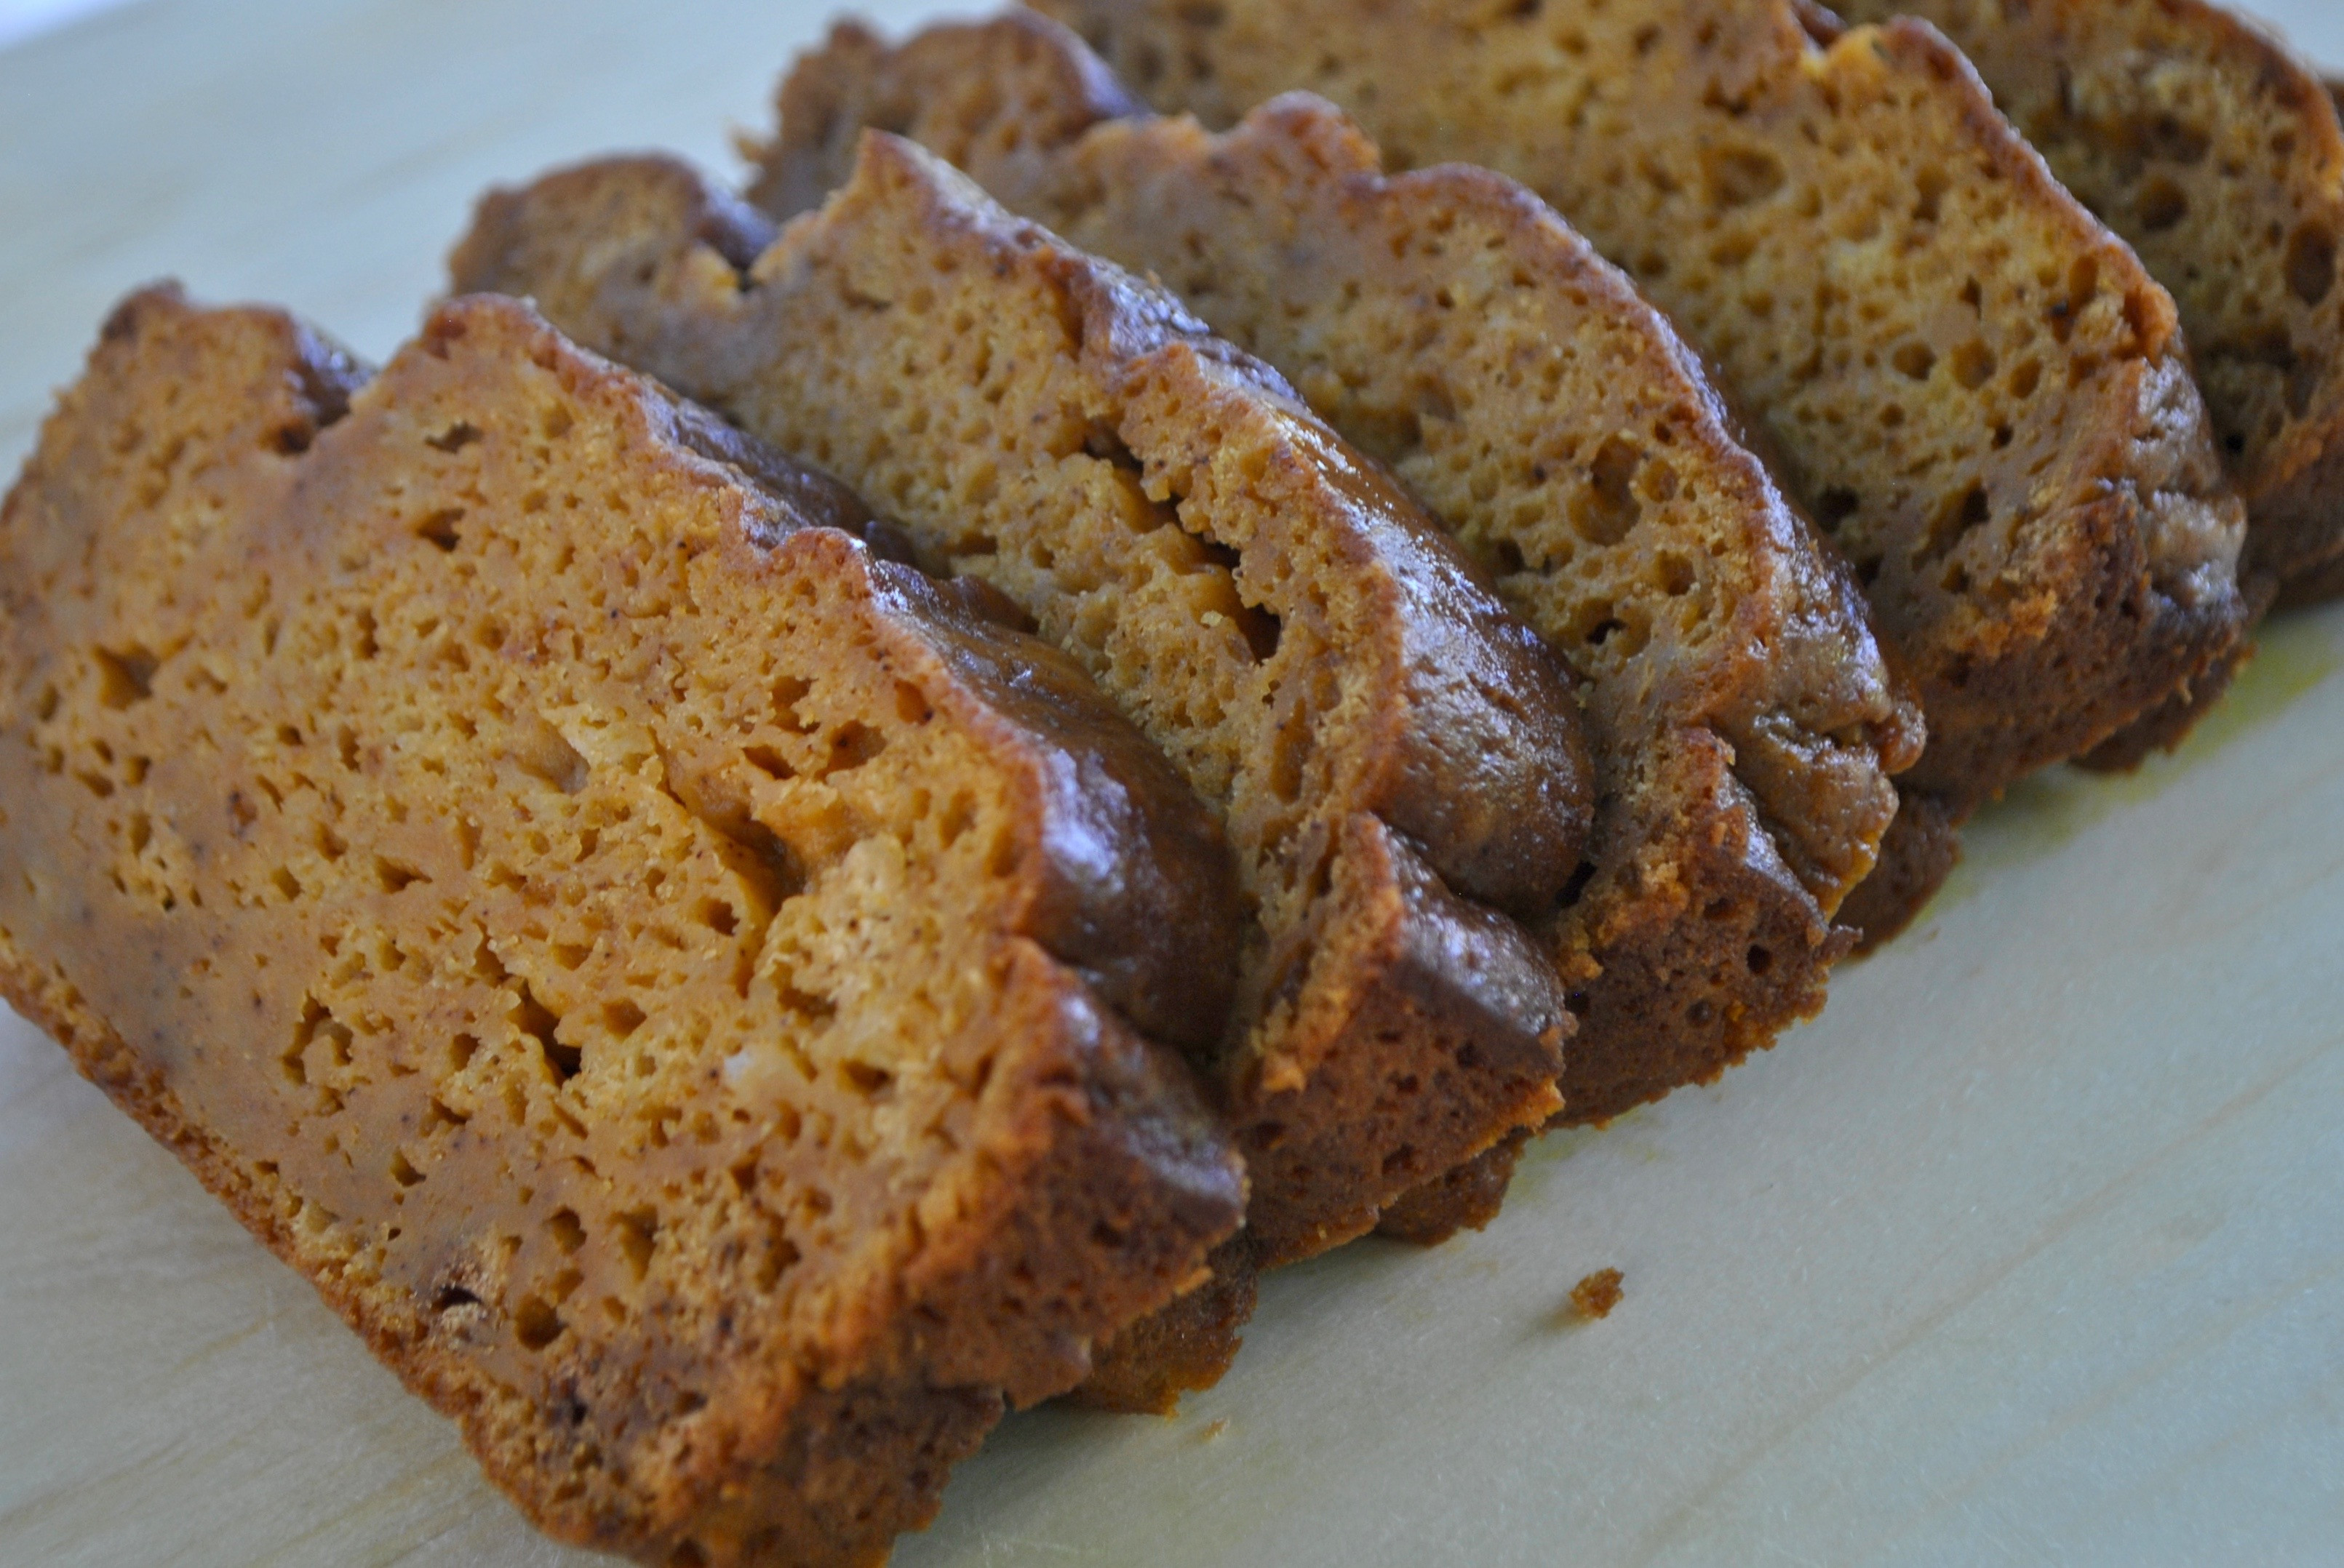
<point x="645" y="961"/>
<point x="2218" y="154"/>
<point x="1447" y="322"/>
<point x="1972" y="386"/>
<point x="1397" y="761"/>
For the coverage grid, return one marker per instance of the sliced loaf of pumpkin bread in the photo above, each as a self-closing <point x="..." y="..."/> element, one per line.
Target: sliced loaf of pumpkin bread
<point x="1449" y="323"/>
<point x="1396" y="759"/>
<point x="653" y="967"/>
<point x="1971" y="384"/>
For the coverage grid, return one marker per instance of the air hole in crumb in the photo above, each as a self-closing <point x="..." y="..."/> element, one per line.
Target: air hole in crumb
<point x="124" y="677"/>
<point x="1761" y="960"/>
<point x="638" y="1236"/>
<point x="2161" y="204"/>
<point x="540" y="749"/>
<point x="769" y="762"/>
<point x="1914" y="360"/>
<point x="1956" y="518"/>
<point x="1605" y="512"/>
<point x="1932" y="186"/>
<point x="396" y="877"/>
<point x="567" y="1232"/>
<point x="851" y="746"/>
<point x="623" y="1018"/>
<point x="403" y="1171"/>
<point x="1261" y="631"/>
<point x="455" y="437"/>
<point x="807" y="1005"/>
<point x="865" y="1078"/>
<point x="2311" y="262"/>
<point x="451" y="1298"/>
<point x="535" y="1324"/>
<point x="1737" y="177"/>
<point x="788" y="692"/>
<point x="1834" y="507"/>
<point x="440" y="528"/>
<point x="781" y="1257"/>
<point x="533" y="1019"/>
<point x="1973" y="365"/>
<point x="460" y="1050"/>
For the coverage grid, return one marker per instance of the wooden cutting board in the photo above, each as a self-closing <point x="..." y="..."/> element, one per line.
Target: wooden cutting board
<point x="2032" y="1250"/>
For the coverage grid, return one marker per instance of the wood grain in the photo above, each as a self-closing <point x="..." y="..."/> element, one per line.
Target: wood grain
<point x="2030" y="1250"/>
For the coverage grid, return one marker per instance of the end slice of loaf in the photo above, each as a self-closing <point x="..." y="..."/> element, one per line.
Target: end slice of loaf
<point x="645" y="961"/>
<point x="1449" y="323"/>
<point x="1396" y="759"/>
<point x="2218" y="155"/>
<point x="1970" y="383"/>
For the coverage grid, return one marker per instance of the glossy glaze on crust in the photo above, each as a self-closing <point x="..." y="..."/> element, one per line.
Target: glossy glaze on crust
<point x="2218" y="155"/>
<point x="1449" y="323"/>
<point x="1396" y="759"/>
<point x="623" y="945"/>
<point x="1971" y="385"/>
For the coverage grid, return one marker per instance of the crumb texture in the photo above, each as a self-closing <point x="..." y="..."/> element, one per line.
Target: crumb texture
<point x="1396" y="760"/>
<point x="615" y="938"/>
<point x="1448" y="323"/>
<point x="2219" y="156"/>
<point x="1974" y="388"/>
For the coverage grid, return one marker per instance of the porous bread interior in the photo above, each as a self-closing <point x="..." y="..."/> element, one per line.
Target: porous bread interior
<point x="1447" y="322"/>
<point x="961" y="409"/>
<point x="1164" y="509"/>
<point x="1397" y="759"/>
<point x="2220" y="157"/>
<point x="588" y="921"/>
<point x="1953" y="363"/>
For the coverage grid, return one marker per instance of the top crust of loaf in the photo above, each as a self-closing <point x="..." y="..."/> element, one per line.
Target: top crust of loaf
<point x="2218" y="154"/>
<point x="623" y="945"/>
<point x="1972" y="385"/>
<point x="1419" y="313"/>
<point x="1396" y="759"/>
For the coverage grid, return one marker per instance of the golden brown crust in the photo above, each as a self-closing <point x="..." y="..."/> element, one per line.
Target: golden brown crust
<point x="1285" y="235"/>
<point x="1186" y="1346"/>
<point x="1922" y="846"/>
<point x="1443" y="719"/>
<point x="2218" y="155"/>
<point x="456" y="815"/>
<point x="1974" y="386"/>
<point x="1465" y="1198"/>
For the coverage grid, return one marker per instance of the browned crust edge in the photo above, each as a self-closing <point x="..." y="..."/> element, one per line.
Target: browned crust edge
<point x="1469" y="1020"/>
<point x="1185" y="1346"/>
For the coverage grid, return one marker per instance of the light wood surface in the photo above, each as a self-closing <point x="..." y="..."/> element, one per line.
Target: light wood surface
<point x="2031" y="1251"/>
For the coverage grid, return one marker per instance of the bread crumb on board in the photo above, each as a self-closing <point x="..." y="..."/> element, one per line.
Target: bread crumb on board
<point x="1595" y="1296"/>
